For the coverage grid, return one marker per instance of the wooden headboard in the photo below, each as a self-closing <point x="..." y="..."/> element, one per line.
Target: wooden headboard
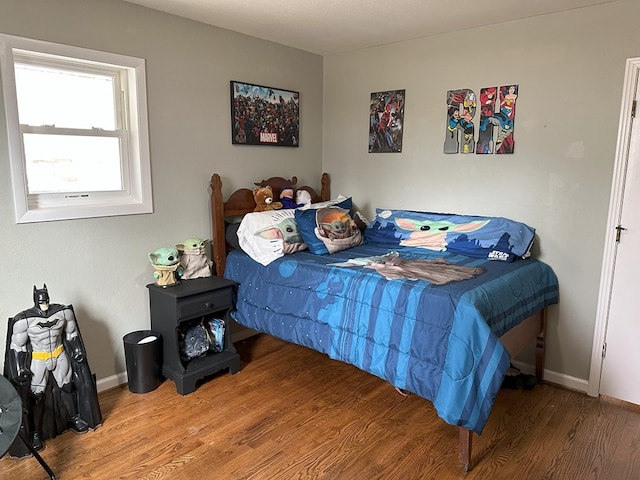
<point x="241" y="202"/>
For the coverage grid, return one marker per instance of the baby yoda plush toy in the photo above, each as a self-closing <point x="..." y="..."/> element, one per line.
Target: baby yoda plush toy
<point x="167" y="267"/>
<point x="193" y="258"/>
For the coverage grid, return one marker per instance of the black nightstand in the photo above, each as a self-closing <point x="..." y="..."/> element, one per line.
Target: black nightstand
<point x="174" y="309"/>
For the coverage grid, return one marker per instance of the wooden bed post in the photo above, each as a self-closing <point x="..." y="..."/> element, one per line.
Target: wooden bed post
<point x="218" y="248"/>
<point x="324" y="187"/>
<point x="533" y="327"/>
<point x="540" y="345"/>
<point x="465" y="439"/>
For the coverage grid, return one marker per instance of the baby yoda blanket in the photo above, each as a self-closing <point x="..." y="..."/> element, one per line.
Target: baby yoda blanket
<point x="438" y="341"/>
<point x="493" y="238"/>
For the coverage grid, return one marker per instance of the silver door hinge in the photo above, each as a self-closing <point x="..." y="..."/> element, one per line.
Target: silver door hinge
<point x="604" y="349"/>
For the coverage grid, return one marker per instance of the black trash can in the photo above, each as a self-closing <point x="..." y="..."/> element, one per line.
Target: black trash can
<point x="143" y="354"/>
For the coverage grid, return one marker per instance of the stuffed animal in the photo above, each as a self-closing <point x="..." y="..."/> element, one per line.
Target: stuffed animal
<point x="303" y="198"/>
<point x="195" y="342"/>
<point x="286" y="197"/>
<point x="263" y="197"/>
<point x="167" y="267"/>
<point x="193" y="258"/>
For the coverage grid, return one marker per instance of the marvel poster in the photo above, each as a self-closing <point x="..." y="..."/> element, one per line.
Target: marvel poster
<point x="386" y="116"/>
<point x="264" y="115"/>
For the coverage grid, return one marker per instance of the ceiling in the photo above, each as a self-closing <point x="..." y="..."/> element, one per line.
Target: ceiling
<point x="327" y="27"/>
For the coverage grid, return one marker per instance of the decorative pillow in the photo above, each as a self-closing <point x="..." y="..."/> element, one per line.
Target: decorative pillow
<point x="268" y="235"/>
<point x="493" y="238"/>
<point x="344" y="202"/>
<point x="359" y="218"/>
<point x="231" y="234"/>
<point x="329" y="229"/>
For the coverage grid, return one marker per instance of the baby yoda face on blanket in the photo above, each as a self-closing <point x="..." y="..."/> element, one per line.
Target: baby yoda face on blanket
<point x="433" y="234"/>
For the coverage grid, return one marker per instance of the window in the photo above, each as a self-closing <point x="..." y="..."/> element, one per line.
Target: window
<point x="77" y="131"/>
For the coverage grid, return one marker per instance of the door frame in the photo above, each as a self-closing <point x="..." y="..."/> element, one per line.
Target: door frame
<point x="631" y="76"/>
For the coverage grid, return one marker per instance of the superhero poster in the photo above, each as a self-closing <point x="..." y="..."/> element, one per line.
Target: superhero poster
<point x="497" y="120"/>
<point x="264" y="115"/>
<point x="386" y="121"/>
<point x="497" y="108"/>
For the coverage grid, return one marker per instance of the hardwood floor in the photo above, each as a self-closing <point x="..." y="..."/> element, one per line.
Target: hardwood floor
<point x="294" y="413"/>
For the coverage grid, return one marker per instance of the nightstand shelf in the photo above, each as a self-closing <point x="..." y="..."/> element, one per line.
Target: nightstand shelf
<point x="174" y="309"/>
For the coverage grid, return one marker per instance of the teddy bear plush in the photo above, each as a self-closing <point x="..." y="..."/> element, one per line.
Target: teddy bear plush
<point x="263" y="197"/>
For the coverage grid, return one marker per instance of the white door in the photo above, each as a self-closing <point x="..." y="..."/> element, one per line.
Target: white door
<point x="620" y="376"/>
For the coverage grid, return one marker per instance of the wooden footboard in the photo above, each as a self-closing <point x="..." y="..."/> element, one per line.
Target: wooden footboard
<point x="515" y="340"/>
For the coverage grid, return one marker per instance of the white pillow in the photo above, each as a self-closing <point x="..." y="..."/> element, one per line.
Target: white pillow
<point x="266" y="236"/>
<point x="328" y="203"/>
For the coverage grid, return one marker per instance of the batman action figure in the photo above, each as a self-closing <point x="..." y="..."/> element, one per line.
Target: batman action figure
<point x="46" y="361"/>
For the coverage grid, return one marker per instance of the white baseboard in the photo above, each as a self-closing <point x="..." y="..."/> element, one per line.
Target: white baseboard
<point x="550" y="376"/>
<point x="112" y="381"/>
<point x="562" y="379"/>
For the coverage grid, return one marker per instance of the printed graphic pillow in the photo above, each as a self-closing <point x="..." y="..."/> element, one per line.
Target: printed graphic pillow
<point x="306" y="220"/>
<point x="493" y="238"/>
<point x="268" y="235"/>
<point x="346" y="203"/>
<point x="329" y="229"/>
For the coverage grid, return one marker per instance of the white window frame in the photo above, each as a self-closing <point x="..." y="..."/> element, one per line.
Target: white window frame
<point x="136" y="196"/>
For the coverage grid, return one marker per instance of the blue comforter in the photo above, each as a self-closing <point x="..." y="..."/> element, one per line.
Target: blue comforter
<point x="438" y="341"/>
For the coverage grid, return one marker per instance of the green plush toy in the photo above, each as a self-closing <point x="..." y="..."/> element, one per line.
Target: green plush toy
<point x="193" y="258"/>
<point x="166" y="263"/>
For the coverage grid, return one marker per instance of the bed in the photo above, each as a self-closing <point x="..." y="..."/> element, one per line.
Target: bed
<point x="447" y="336"/>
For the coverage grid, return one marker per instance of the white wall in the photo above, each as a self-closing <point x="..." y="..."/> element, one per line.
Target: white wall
<point x="100" y="265"/>
<point x="570" y="68"/>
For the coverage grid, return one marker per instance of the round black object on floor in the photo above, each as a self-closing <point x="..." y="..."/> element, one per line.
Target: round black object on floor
<point x="11" y="421"/>
<point x="10" y="415"/>
<point x="143" y="355"/>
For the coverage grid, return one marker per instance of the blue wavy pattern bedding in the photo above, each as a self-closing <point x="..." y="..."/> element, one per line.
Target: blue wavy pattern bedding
<point x="438" y="341"/>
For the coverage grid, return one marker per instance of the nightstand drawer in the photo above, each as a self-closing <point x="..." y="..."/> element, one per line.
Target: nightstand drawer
<point x="205" y="303"/>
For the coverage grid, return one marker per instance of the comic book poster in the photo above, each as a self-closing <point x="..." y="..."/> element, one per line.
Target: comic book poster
<point x="497" y="124"/>
<point x="386" y="121"/>
<point x="264" y="115"/>
<point x="461" y="107"/>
